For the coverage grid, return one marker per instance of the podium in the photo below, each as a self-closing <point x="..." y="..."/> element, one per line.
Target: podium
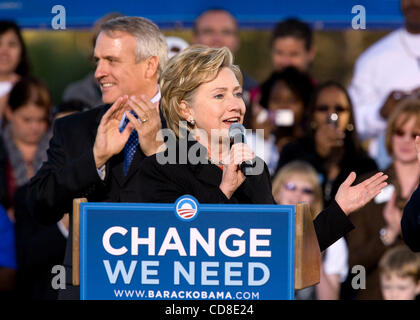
<point x="265" y="251"/>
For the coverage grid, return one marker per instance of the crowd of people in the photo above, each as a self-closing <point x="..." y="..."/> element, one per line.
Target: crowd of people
<point x="317" y="140"/>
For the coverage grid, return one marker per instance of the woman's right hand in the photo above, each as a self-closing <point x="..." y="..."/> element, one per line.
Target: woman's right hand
<point x="327" y="137"/>
<point x="232" y="175"/>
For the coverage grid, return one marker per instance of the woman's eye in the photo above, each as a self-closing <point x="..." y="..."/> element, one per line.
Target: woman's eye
<point x="219" y="96"/>
<point x="239" y="94"/>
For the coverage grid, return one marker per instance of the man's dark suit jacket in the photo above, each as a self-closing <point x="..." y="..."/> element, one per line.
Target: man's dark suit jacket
<point x="165" y="183"/>
<point x="70" y="172"/>
<point x="410" y="222"/>
<point x="38" y="249"/>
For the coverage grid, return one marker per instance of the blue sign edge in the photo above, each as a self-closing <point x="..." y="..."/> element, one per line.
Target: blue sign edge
<point x="289" y="209"/>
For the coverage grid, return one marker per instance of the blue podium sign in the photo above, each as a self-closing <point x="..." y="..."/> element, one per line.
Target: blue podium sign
<point x="186" y="251"/>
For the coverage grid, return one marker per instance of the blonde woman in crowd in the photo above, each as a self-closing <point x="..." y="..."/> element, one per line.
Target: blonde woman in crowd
<point x="298" y="182"/>
<point x="378" y="225"/>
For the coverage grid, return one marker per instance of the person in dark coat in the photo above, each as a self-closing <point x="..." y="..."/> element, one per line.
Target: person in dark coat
<point x="96" y="154"/>
<point x="378" y="224"/>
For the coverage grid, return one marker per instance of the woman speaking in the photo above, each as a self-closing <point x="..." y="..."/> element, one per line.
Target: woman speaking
<point x="201" y="99"/>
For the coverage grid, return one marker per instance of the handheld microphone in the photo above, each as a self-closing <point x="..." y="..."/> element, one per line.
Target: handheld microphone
<point x="237" y="135"/>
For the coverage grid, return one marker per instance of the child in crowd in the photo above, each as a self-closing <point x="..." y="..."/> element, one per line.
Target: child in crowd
<point x="399" y="270"/>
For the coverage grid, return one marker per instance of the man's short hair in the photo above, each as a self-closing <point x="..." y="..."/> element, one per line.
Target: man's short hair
<point x="401" y="261"/>
<point x="150" y="41"/>
<point x="293" y="28"/>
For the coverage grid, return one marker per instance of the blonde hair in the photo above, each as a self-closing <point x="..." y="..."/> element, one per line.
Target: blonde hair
<point x="401" y="261"/>
<point x="305" y="170"/>
<point x="184" y="73"/>
<point x="407" y="108"/>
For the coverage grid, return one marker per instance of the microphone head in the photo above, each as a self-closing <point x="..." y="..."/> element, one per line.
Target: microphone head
<point x="237" y="133"/>
<point x="235" y="129"/>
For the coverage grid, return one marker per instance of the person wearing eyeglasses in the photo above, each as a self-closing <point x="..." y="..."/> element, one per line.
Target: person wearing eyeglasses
<point x="378" y="225"/>
<point x="330" y="144"/>
<point x="298" y="182"/>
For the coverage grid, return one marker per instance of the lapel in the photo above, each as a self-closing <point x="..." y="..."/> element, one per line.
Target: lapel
<point x="205" y="171"/>
<point x="209" y="174"/>
<point x="117" y="166"/>
<point x="135" y="163"/>
<point x="114" y="166"/>
<point x="94" y="127"/>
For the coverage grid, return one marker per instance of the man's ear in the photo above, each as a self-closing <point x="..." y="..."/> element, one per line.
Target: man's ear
<point x="8" y="113"/>
<point x="152" y="65"/>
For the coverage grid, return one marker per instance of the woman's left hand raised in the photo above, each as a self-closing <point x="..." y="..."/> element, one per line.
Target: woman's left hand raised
<point x="351" y="198"/>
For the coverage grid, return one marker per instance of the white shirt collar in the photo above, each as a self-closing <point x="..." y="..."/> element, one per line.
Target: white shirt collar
<point x="157" y="97"/>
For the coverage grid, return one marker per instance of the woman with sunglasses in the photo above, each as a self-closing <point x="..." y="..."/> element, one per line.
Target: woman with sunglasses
<point x="298" y="182"/>
<point x="378" y="225"/>
<point x="330" y="145"/>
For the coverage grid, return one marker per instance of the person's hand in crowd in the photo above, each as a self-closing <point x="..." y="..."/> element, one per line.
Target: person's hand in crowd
<point x="351" y="198"/>
<point x="148" y="124"/>
<point x="392" y="216"/>
<point x="261" y="120"/>
<point x="232" y="175"/>
<point x="327" y="137"/>
<point x="3" y="99"/>
<point x="109" y="140"/>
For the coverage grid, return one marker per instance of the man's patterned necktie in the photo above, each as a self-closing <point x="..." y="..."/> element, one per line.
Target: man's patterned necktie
<point x="130" y="146"/>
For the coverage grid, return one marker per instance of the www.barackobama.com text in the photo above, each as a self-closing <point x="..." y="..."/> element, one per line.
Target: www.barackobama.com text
<point x="185" y="295"/>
